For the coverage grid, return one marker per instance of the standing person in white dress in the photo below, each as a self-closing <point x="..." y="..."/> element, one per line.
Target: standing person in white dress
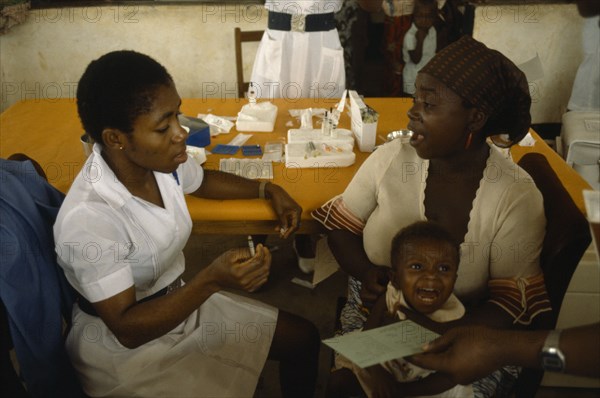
<point x="300" y="55"/>
<point x="138" y="329"/>
<point x="585" y="95"/>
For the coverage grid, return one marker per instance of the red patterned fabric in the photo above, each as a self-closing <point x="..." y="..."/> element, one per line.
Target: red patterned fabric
<point x="335" y="215"/>
<point x="523" y="298"/>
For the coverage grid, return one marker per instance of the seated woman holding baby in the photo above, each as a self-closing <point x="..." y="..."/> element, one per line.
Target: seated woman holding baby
<point x="470" y="102"/>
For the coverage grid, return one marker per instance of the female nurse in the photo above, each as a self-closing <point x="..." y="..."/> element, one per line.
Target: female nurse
<point x="138" y="329"/>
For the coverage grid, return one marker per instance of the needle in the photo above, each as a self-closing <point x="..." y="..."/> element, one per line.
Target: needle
<point x="251" y="246"/>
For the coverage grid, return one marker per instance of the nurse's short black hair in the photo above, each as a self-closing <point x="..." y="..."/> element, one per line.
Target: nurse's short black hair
<point x="422" y="230"/>
<point x="117" y="88"/>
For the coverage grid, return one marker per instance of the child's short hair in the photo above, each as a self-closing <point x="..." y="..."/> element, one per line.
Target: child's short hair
<point x="423" y="230"/>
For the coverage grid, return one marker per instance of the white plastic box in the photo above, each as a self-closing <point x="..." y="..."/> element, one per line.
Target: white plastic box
<point x="580" y="139"/>
<point x="257" y="117"/>
<point x="364" y="132"/>
<point x="341" y="136"/>
<point x="320" y="155"/>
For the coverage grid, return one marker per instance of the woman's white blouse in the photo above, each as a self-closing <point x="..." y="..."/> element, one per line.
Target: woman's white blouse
<point x="506" y="223"/>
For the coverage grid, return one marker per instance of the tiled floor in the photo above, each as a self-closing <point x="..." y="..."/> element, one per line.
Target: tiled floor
<point x="317" y="305"/>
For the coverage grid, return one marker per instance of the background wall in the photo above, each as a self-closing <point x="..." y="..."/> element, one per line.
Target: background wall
<point x="44" y="57"/>
<point x="522" y="32"/>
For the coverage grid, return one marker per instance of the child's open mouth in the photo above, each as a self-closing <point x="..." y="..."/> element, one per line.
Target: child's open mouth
<point x="427" y="295"/>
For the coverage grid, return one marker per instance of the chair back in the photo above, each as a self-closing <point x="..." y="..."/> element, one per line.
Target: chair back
<point x="241" y="37"/>
<point x="567" y="231"/>
<point x="567" y="238"/>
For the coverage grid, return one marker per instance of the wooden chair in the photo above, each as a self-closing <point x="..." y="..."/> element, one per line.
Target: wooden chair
<point x="241" y="37"/>
<point x="567" y="238"/>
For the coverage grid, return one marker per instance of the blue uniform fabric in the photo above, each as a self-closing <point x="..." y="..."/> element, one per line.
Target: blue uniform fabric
<point x="33" y="288"/>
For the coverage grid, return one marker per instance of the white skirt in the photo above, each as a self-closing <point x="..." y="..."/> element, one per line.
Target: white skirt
<point x="219" y="351"/>
<point x="297" y="65"/>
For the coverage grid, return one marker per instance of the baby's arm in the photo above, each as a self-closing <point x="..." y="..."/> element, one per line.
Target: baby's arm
<point x="379" y="315"/>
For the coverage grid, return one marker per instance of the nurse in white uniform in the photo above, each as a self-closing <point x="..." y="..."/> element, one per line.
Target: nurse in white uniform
<point x="138" y="330"/>
<point x="300" y="55"/>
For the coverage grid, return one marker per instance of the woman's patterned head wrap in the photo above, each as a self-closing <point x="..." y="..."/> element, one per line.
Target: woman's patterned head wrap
<point x="487" y="80"/>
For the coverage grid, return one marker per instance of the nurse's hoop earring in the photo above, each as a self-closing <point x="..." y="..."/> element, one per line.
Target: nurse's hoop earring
<point x="469" y="139"/>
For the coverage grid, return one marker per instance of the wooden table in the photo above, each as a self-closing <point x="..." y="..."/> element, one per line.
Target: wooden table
<point x="49" y="131"/>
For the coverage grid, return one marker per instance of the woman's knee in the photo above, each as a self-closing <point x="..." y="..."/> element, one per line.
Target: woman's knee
<point x="295" y="336"/>
<point x="342" y="383"/>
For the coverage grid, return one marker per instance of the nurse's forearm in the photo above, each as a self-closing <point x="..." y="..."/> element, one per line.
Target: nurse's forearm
<point x="221" y="185"/>
<point x="469" y="353"/>
<point x="579" y="345"/>
<point x="135" y="324"/>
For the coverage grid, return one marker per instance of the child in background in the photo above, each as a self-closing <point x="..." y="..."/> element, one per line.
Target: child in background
<point x="420" y="42"/>
<point x="449" y="25"/>
<point x="425" y="261"/>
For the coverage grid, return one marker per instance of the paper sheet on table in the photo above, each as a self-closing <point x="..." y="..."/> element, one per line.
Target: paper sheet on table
<point x="367" y="348"/>
<point x="528" y="140"/>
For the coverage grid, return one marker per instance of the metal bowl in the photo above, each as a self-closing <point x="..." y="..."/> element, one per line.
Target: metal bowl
<point x="399" y="134"/>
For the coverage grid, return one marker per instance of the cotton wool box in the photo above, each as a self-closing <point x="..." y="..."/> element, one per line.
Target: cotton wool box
<point x="363" y="121"/>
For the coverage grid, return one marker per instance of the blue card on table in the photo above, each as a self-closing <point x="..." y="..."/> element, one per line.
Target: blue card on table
<point x="225" y="149"/>
<point x="251" y="150"/>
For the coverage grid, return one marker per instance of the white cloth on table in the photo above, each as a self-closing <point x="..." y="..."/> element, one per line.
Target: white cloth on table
<point x="300" y="64"/>
<point x="108" y="240"/>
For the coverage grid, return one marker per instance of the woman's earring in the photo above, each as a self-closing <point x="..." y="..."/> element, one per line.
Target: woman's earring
<point x="469" y="139"/>
<point x="121" y="148"/>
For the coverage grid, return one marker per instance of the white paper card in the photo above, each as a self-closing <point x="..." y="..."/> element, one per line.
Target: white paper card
<point x="368" y="348"/>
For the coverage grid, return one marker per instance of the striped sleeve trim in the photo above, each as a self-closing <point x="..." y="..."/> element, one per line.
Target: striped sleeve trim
<point x="335" y="215"/>
<point x="522" y="298"/>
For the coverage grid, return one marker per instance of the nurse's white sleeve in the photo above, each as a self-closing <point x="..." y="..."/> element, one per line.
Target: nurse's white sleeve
<point x="190" y="175"/>
<point x="89" y="248"/>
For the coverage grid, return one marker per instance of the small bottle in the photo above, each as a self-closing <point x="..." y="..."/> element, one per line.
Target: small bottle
<point x="325" y="126"/>
<point x="251" y="93"/>
<point x="333" y="121"/>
